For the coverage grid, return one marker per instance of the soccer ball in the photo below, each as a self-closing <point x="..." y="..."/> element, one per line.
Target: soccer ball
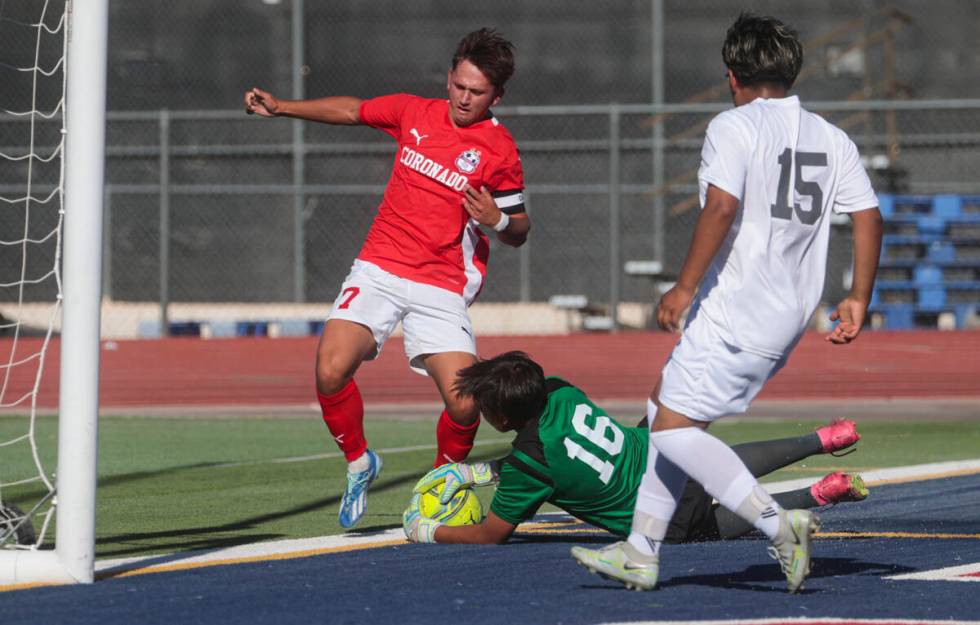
<point x="463" y="509"/>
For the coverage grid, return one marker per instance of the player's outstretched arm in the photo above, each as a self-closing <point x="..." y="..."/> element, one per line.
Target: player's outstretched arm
<point x="491" y="531"/>
<point x="420" y="529"/>
<point x="344" y="110"/>
<point x="851" y="312"/>
<point x="720" y="209"/>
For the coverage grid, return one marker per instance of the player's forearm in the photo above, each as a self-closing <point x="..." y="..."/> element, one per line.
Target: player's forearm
<point x="713" y="225"/>
<point x="867" y="249"/>
<point x="516" y="233"/>
<point x="480" y="534"/>
<point x="343" y="110"/>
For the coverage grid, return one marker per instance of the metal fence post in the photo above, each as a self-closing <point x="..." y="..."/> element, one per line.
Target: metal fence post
<point x="525" y="260"/>
<point x="657" y="149"/>
<point x="107" y="242"/>
<point x="614" y="191"/>
<point x="164" y="221"/>
<point x="299" y="159"/>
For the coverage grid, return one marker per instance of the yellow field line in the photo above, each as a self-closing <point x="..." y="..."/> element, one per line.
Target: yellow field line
<point x="166" y="568"/>
<point x="580" y="530"/>
<point x="923" y="478"/>
<point x="26" y="586"/>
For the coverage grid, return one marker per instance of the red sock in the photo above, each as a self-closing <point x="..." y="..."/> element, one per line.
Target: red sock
<point x="343" y="412"/>
<point x="454" y="441"/>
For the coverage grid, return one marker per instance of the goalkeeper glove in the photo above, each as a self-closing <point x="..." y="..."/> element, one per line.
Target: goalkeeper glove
<point x="456" y="475"/>
<point x="418" y="528"/>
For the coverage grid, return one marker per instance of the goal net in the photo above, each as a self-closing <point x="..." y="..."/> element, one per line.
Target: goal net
<point x="51" y="169"/>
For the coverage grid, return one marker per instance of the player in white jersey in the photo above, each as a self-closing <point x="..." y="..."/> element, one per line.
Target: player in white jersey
<point x="771" y="174"/>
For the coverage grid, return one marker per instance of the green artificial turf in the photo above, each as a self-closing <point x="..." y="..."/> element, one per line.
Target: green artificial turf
<point x="198" y="483"/>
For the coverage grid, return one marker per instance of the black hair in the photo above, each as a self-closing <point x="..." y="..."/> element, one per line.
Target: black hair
<point x="510" y="385"/>
<point x="490" y="52"/>
<point x="761" y="49"/>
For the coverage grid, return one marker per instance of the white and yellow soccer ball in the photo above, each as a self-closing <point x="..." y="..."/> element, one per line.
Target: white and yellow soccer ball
<point x="463" y="509"/>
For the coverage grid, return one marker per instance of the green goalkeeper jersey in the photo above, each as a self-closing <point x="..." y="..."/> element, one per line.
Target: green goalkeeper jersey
<point x="573" y="455"/>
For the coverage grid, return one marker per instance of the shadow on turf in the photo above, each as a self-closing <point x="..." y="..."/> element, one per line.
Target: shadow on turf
<point x="136" y="542"/>
<point x="26" y="496"/>
<point x="768" y="578"/>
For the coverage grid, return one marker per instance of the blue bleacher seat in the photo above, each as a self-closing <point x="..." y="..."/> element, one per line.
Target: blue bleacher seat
<point x="941" y="251"/>
<point x="927" y="275"/>
<point x="185" y="328"/>
<point x="294" y="327"/>
<point x="886" y="205"/>
<point x="149" y="329"/>
<point x="931" y="225"/>
<point x="930" y="262"/>
<point x="931" y="297"/>
<point x="252" y="328"/>
<point x="947" y="206"/>
<point x="221" y="328"/>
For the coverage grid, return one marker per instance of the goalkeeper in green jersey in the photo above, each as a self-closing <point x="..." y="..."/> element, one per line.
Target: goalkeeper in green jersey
<point x="568" y="452"/>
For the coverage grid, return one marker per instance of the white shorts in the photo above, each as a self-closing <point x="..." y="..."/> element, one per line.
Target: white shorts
<point x="706" y="378"/>
<point x="433" y="320"/>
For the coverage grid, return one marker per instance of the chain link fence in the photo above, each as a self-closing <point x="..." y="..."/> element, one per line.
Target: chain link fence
<point x="238" y="241"/>
<point x="207" y="205"/>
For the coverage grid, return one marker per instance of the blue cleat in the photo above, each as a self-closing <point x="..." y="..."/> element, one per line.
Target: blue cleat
<point x="353" y="504"/>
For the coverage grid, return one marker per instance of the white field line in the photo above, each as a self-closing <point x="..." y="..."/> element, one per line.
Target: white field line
<point x="880" y="477"/>
<point x="249" y="552"/>
<point x="299" y="547"/>
<point x="802" y="620"/>
<point x="951" y="573"/>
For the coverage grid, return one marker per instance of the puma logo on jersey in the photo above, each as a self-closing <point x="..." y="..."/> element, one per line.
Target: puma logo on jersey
<point x="428" y="167"/>
<point x="418" y="137"/>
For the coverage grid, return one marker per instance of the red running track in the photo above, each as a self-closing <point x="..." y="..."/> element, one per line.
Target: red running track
<point x="277" y="372"/>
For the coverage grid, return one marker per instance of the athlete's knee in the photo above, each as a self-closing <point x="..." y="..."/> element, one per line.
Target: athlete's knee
<point x="462" y="410"/>
<point x="668" y="419"/>
<point x="332" y="373"/>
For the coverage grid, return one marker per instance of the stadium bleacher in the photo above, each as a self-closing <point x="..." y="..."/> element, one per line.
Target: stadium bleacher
<point x="930" y="261"/>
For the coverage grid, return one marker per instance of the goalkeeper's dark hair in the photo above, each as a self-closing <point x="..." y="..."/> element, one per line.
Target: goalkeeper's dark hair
<point x="761" y="49"/>
<point x="510" y="385"/>
<point x="490" y="52"/>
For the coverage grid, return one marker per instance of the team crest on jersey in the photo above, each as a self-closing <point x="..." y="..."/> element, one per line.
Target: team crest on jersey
<point x="468" y="161"/>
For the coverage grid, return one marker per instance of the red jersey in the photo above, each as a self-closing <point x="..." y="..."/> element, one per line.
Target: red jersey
<point x="422" y="232"/>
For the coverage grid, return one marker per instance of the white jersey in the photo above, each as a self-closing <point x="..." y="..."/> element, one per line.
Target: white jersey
<point x="789" y="168"/>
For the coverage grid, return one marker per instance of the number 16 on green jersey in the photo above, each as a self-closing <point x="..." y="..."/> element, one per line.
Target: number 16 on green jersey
<point x="605" y="435"/>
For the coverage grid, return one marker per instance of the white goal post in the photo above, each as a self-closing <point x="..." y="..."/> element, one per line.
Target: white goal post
<point x="73" y="558"/>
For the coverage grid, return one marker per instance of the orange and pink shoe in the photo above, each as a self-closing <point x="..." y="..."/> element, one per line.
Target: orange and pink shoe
<point x="838" y="487"/>
<point x="839" y="434"/>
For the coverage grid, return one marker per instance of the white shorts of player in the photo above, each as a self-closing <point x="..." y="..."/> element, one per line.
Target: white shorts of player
<point x="707" y="378"/>
<point x="434" y="320"/>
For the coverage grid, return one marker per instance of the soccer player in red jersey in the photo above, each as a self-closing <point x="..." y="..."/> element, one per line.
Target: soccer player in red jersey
<point x="456" y="169"/>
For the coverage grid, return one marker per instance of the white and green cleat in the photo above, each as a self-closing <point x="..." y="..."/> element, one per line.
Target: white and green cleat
<point x="791" y="546"/>
<point x="620" y="562"/>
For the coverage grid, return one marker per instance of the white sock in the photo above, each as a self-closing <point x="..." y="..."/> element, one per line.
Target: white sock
<point x="721" y="472"/>
<point x="360" y="464"/>
<point x="656" y="500"/>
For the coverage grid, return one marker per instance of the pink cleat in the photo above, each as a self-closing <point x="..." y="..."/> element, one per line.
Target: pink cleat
<point x="840" y="434"/>
<point x="838" y="487"/>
